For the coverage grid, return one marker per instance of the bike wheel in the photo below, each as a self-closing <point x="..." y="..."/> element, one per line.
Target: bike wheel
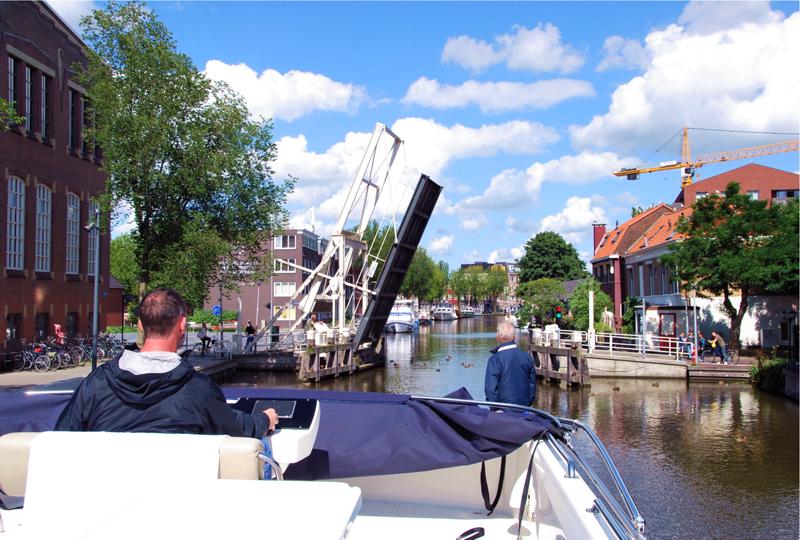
<point x="64" y="359"/>
<point x="54" y="363"/>
<point x="75" y="354"/>
<point x="42" y="363"/>
<point x="198" y="348"/>
<point x="19" y="362"/>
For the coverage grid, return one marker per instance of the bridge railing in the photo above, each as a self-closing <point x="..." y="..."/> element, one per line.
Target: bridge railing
<point x="616" y="343"/>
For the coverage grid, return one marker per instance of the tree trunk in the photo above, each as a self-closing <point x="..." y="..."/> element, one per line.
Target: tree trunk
<point x="736" y="317"/>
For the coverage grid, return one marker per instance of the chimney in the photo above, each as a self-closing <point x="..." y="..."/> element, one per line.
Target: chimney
<point x="599" y="233"/>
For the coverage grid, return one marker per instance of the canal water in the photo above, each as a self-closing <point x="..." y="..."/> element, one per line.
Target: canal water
<point x="702" y="460"/>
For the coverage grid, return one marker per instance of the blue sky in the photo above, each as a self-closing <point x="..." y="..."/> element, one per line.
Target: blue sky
<point x="521" y="110"/>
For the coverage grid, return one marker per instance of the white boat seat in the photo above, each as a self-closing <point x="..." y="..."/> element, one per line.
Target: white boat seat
<point x="238" y="460"/>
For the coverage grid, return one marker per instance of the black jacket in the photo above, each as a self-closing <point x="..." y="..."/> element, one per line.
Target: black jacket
<point x="179" y="401"/>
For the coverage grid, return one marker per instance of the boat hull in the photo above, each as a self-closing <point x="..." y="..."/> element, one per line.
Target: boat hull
<point x="398" y="328"/>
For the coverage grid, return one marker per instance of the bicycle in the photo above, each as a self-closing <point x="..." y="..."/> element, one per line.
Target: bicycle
<point x="709" y="354"/>
<point x="216" y="347"/>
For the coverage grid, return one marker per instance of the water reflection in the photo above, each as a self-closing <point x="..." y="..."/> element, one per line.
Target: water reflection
<point x="708" y="460"/>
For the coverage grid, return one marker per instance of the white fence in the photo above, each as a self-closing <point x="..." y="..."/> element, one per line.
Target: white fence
<point x="612" y="343"/>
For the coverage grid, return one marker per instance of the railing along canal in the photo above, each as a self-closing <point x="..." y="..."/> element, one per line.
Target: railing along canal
<point x="613" y="343"/>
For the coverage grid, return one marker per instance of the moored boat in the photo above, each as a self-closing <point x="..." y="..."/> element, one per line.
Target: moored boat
<point x="467" y="312"/>
<point x="401" y="319"/>
<point x="444" y="312"/>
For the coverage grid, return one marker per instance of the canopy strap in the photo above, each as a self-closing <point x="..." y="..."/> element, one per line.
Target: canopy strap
<point x="491" y="505"/>
<point x="524" y="500"/>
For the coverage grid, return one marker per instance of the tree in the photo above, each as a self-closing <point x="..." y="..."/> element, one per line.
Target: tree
<point x="548" y="255"/>
<point x="124" y="266"/>
<point x="629" y="314"/>
<point x="636" y="210"/>
<point x="541" y="297"/>
<point x="458" y="284"/>
<point x="579" y="305"/>
<point x="379" y="241"/>
<point x="474" y="279"/>
<point x="181" y="153"/>
<point x="8" y="114"/>
<point x="419" y="277"/>
<point x="439" y="282"/>
<point x="736" y="245"/>
<point x="496" y="283"/>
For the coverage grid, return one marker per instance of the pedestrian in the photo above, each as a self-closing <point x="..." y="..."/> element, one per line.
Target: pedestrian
<point x="718" y="344"/>
<point x="682" y="344"/>
<point x="204" y="338"/>
<point x="690" y="343"/>
<point x="250" y="331"/>
<point x="701" y="344"/>
<point x="311" y="322"/>
<point x="510" y="373"/>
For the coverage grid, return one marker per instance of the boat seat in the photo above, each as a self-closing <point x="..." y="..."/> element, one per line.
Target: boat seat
<point x="238" y="460"/>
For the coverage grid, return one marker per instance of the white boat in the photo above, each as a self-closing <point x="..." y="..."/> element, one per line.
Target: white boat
<point x="384" y="482"/>
<point x="444" y="312"/>
<point x="423" y="317"/>
<point x="401" y="319"/>
<point x="467" y="312"/>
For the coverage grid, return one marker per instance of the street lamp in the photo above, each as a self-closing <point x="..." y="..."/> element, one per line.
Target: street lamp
<point x="96" y="226"/>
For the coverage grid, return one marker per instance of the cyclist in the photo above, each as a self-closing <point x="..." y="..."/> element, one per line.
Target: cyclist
<point x="205" y="339"/>
<point x="718" y="346"/>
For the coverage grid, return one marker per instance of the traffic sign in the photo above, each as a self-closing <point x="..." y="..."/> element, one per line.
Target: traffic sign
<point x="217" y="310"/>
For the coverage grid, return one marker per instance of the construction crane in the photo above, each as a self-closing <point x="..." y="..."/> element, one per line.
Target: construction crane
<point x="688" y="165"/>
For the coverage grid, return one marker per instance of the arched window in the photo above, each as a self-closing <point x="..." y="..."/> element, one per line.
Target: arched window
<point x="73" y="233"/>
<point x="43" y="220"/>
<point x="15" y="224"/>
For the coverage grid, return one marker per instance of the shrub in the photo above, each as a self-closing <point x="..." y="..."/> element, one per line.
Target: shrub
<point x="767" y="372"/>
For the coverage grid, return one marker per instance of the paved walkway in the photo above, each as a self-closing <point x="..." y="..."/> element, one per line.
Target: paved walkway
<point x="33" y="378"/>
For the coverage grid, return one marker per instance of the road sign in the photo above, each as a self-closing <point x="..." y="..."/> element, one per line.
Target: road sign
<point x="216" y="310"/>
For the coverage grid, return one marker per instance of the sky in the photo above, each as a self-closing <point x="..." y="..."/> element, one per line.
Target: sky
<point x="521" y="111"/>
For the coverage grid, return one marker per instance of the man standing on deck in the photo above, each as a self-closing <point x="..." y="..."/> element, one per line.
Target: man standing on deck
<point x="510" y="373"/>
<point x="154" y="390"/>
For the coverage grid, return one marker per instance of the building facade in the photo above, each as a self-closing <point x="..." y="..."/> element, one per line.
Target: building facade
<point x="51" y="173"/>
<point x="627" y="263"/>
<point x="258" y="301"/>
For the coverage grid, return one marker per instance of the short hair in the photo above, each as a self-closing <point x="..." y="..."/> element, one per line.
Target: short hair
<point x="160" y="310"/>
<point x="505" y="330"/>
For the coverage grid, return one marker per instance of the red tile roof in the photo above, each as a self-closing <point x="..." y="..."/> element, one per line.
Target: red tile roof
<point x="613" y="243"/>
<point x="660" y="232"/>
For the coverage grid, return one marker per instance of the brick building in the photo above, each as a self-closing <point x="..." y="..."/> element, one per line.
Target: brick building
<point x="258" y="301"/>
<point x="50" y="175"/>
<point x="637" y="246"/>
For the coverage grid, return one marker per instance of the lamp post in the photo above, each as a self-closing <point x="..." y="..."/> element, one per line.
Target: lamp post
<point x="96" y="226"/>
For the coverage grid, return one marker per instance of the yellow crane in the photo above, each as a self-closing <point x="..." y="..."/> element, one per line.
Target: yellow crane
<point x="688" y="165"/>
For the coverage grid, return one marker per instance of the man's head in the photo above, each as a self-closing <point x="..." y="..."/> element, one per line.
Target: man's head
<point x="505" y="332"/>
<point x="249" y="323"/>
<point x="314" y="317"/>
<point x="714" y="333"/>
<point x="683" y="334"/>
<point x="162" y="315"/>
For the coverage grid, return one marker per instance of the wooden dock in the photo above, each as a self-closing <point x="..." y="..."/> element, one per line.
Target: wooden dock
<point x="557" y="364"/>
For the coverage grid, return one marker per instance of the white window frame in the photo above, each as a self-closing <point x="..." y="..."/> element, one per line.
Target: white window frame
<point x="73" y="234"/>
<point x="93" y="238"/>
<point x="15" y="224"/>
<point x="71" y="122"/>
<point x="282" y="268"/>
<point x="28" y="98"/>
<point x="284" y="289"/>
<point x="43" y="107"/>
<point x="44" y="218"/>
<point x="281" y="241"/>
<point x="12" y="80"/>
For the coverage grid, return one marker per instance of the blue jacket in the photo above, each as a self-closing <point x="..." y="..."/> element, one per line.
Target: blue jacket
<point x="510" y="375"/>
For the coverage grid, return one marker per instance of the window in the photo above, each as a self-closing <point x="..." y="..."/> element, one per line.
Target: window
<point x="28" y="99"/>
<point x="15" y="224"/>
<point x="630" y="281"/>
<point x="72" y="324"/>
<point x="663" y="279"/>
<point x="71" y="123"/>
<point x="43" y="218"/>
<point x="283" y="268"/>
<point x="44" y="110"/>
<point x="284" y="289"/>
<point x="93" y="238"/>
<point x="753" y="194"/>
<point x="674" y="282"/>
<point x="84" y="126"/>
<point x="42" y="326"/>
<point x="785" y="331"/>
<point x="651" y="279"/>
<point x="309" y="242"/>
<point x="700" y="194"/>
<point x="13" y="327"/>
<point x="288" y="314"/>
<point x="285" y="242"/>
<point x="12" y="79"/>
<point x="73" y="233"/>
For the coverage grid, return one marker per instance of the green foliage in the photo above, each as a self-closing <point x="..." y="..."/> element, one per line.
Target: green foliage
<point x="181" y="153"/>
<point x="540" y="298"/>
<point x="8" y="115"/>
<point x="380" y="241"/>
<point x="496" y="283"/>
<point x="124" y="265"/>
<point x="458" y="283"/>
<point x="767" y="372"/>
<point x="579" y="304"/>
<point x="439" y="281"/>
<point x="736" y="245"/>
<point x="204" y="316"/>
<point x="548" y="255"/>
<point x="418" y="280"/>
<point x="629" y="314"/>
<point x="636" y="210"/>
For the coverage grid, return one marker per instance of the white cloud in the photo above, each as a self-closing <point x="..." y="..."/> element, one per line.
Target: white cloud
<point x="495" y="97"/>
<point x="72" y="11"/>
<point x="289" y="95"/>
<point x="430" y="147"/>
<point x="471" y="256"/>
<point x="737" y="77"/>
<point x="474" y="223"/>
<point x="623" y="53"/>
<point x="505" y="254"/>
<point x="709" y="17"/>
<point x="514" y="188"/>
<point x="575" y="220"/>
<point x="441" y="244"/>
<point x="536" y="49"/>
